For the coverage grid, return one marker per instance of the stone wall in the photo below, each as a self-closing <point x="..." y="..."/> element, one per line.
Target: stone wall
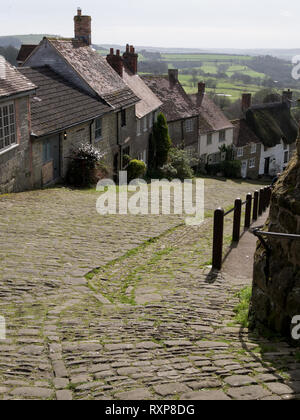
<point x="276" y="283"/>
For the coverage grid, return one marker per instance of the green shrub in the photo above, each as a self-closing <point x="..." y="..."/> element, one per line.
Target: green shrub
<point x="231" y="169"/>
<point x="214" y="169"/>
<point x="181" y="162"/>
<point x="160" y="143"/>
<point x="85" y="167"/>
<point x="136" y="169"/>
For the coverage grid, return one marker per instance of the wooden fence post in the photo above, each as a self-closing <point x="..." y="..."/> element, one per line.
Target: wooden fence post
<point x="248" y="211"/>
<point x="237" y="220"/>
<point x="218" y="239"/>
<point x="255" y="205"/>
<point x="260" y="206"/>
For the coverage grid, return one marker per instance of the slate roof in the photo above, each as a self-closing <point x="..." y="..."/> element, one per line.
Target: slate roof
<point x="25" y="52"/>
<point x="12" y="82"/>
<point x="176" y="104"/>
<point x="149" y="102"/>
<point x="243" y="135"/>
<point x="273" y="123"/>
<point x="58" y="104"/>
<point x="213" y="118"/>
<point x="96" y="72"/>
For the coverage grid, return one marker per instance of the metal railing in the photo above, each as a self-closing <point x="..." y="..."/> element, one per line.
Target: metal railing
<point x="260" y="199"/>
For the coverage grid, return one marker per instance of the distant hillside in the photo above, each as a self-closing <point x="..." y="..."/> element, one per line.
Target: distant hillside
<point x="17" y="40"/>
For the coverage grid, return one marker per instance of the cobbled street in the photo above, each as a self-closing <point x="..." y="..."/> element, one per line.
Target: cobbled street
<point x="125" y="307"/>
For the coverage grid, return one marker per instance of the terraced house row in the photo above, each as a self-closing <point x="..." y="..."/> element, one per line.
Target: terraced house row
<point x="65" y="93"/>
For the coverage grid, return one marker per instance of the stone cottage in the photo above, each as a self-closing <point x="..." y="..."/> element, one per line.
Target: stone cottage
<point x="215" y="130"/>
<point x="277" y="130"/>
<point x="78" y="63"/>
<point x="146" y="110"/>
<point x="62" y="117"/>
<point x="247" y="149"/>
<point x="15" y="128"/>
<point x="179" y="110"/>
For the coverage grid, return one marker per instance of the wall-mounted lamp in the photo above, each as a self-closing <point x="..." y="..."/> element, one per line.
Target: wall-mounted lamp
<point x="65" y="135"/>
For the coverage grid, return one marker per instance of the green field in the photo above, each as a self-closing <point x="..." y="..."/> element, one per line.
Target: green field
<point x="205" y="57"/>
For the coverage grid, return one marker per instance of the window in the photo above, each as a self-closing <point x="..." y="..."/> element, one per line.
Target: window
<point x="143" y="156"/>
<point x="252" y="163"/>
<point x="222" y="136"/>
<point x="253" y="148"/>
<point x="47" y="155"/>
<point x="286" y="156"/>
<point x="123" y="118"/>
<point x="138" y="127"/>
<point x="98" y="129"/>
<point x="145" y="124"/>
<point x="189" y="126"/>
<point x="240" y="152"/>
<point x="209" y="139"/>
<point x="190" y="151"/>
<point x="7" y="126"/>
<point x="150" y="121"/>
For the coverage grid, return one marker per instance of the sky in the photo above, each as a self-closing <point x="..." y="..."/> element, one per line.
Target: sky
<point x="162" y="23"/>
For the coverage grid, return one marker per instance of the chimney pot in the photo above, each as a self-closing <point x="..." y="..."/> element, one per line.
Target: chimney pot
<point x="79" y="11"/>
<point x="83" y="28"/>
<point x="173" y="77"/>
<point x="111" y="51"/>
<point x="118" y="52"/>
<point x="201" y="93"/>
<point x="246" y="101"/>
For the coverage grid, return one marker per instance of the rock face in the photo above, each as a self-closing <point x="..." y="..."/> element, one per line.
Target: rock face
<point x="276" y="282"/>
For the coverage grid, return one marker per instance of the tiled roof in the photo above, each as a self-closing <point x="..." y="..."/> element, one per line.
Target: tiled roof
<point x="243" y="135"/>
<point x="12" y="82"/>
<point x="96" y="72"/>
<point x="25" y="51"/>
<point x="58" y="104"/>
<point x="212" y="115"/>
<point x="176" y="104"/>
<point x="149" y="101"/>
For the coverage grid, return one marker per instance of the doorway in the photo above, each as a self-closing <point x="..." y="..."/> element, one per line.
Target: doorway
<point x="267" y="166"/>
<point x="244" y="168"/>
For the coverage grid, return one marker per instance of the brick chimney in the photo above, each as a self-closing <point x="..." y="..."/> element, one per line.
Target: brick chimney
<point x="201" y="93"/>
<point x="116" y="61"/>
<point x="130" y="59"/>
<point x="246" y="101"/>
<point x="83" y="28"/>
<point x="287" y="97"/>
<point x="173" y="77"/>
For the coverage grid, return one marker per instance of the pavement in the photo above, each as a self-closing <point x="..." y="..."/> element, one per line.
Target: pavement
<point x="151" y="322"/>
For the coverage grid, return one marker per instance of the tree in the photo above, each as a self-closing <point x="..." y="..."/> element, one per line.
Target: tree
<point x="160" y="143"/>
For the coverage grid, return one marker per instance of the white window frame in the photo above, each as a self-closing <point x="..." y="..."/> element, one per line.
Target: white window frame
<point x="143" y="156"/>
<point x="253" y="148"/>
<point x="98" y="138"/>
<point x="209" y="139"/>
<point x="150" y="120"/>
<point x="145" y="124"/>
<point x="240" y="152"/>
<point x="189" y="126"/>
<point x="8" y="132"/>
<point x="138" y="127"/>
<point x="252" y="163"/>
<point x="222" y="136"/>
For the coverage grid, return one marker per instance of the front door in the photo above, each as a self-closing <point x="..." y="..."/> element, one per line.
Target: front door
<point x="244" y="168"/>
<point x="267" y="166"/>
<point x="51" y="159"/>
